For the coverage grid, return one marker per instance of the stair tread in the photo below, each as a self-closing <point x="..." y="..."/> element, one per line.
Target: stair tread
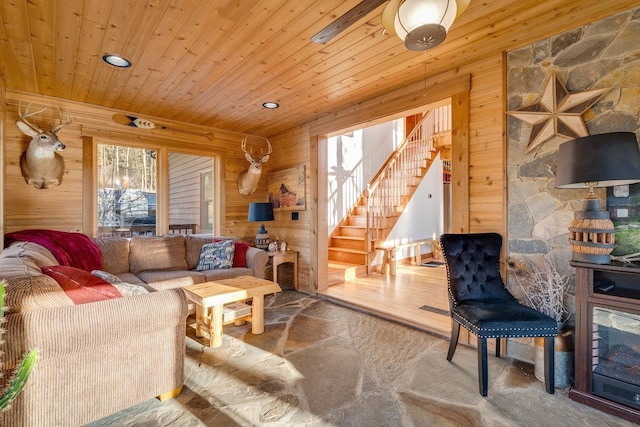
<point x="348" y="237"/>
<point x="348" y="250"/>
<point x="339" y="266"/>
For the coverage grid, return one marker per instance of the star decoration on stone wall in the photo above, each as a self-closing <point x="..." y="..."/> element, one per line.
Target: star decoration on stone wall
<point x="557" y="112"/>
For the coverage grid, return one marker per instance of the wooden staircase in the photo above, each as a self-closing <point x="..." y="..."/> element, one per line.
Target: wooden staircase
<point x="352" y="243"/>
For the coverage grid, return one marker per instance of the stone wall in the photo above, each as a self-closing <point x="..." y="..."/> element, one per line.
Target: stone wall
<point x="604" y="54"/>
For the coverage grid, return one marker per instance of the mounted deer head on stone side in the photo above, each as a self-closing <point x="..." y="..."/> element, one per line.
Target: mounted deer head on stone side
<point x="248" y="180"/>
<point x="40" y="165"/>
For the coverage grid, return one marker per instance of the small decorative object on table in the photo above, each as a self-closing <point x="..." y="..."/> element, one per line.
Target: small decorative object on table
<point x="283" y="246"/>
<point x="273" y="246"/>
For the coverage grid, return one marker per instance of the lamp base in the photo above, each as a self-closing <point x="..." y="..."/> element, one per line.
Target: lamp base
<point x="592" y="234"/>
<point x="262" y="238"/>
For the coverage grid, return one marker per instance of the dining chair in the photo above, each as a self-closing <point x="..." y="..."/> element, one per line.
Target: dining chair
<point x="480" y="302"/>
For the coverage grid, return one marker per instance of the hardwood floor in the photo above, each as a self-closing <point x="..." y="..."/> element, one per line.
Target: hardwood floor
<point x="399" y="297"/>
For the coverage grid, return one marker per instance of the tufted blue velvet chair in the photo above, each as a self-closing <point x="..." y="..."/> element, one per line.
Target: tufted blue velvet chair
<point x="480" y="302"/>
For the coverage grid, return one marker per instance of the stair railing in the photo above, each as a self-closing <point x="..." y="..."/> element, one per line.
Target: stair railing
<point x="388" y="189"/>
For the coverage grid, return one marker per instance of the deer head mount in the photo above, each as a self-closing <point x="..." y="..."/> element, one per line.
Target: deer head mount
<point x="40" y="165"/>
<point x="248" y="180"/>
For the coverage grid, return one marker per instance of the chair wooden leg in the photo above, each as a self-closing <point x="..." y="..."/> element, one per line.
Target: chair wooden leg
<point x="498" y="346"/>
<point x="549" y="365"/>
<point x="482" y="366"/>
<point x="453" y="341"/>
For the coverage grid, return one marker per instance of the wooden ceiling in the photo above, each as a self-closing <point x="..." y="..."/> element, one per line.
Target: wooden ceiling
<point x="214" y="62"/>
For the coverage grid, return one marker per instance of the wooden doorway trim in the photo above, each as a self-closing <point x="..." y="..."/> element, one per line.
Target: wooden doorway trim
<point x="460" y="162"/>
<point x="399" y="103"/>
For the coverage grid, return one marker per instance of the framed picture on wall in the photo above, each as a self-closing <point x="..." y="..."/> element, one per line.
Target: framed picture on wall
<point x="623" y="204"/>
<point x="287" y="189"/>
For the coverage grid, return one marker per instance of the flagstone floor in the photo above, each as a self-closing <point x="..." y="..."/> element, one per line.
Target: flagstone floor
<point x="321" y="364"/>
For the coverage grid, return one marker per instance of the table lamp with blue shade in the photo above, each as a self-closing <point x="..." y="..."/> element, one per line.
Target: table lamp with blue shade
<point x="260" y="212"/>
<point x="603" y="160"/>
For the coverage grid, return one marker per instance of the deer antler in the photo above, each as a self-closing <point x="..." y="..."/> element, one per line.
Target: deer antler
<point x="26" y="114"/>
<point x="244" y="145"/>
<point x="268" y="145"/>
<point x="55" y="129"/>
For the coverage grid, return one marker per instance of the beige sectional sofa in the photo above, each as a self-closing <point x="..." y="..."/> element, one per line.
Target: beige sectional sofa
<point x="97" y="358"/>
<point x="169" y="262"/>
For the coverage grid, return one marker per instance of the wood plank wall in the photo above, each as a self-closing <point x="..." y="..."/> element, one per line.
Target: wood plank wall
<point x="61" y="208"/>
<point x="293" y="149"/>
<point x="3" y="109"/>
<point x="487" y="147"/>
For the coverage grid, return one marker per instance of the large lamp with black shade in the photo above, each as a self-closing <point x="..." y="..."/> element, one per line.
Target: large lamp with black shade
<point x="260" y="212"/>
<point x="603" y="160"/>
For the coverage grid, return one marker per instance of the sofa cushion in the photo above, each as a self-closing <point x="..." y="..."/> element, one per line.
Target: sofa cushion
<point x="240" y="254"/>
<point x="216" y="255"/>
<point x="81" y="286"/>
<point x="131" y="278"/>
<point x="115" y="254"/>
<point x="26" y="287"/>
<point x="38" y="254"/>
<point x="157" y="253"/>
<point x="226" y="273"/>
<point x="164" y="279"/>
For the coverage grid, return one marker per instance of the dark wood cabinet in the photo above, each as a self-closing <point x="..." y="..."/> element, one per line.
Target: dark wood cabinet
<point x="607" y="339"/>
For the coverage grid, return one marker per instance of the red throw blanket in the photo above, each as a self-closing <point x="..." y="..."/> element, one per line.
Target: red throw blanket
<point x="73" y="249"/>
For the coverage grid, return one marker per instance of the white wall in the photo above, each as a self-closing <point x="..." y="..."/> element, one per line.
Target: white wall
<point x="353" y="160"/>
<point x="423" y="218"/>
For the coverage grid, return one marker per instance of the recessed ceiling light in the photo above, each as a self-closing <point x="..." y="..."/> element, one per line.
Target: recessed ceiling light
<point x="117" y="61"/>
<point x="271" y="105"/>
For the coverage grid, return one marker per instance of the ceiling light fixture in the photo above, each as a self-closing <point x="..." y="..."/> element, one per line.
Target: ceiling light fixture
<point x="117" y="61"/>
<point x="270" y="105"/>
<point x="421" y="24"/>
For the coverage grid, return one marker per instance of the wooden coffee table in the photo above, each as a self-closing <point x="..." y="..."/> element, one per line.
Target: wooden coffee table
<point x="210" y="298"/>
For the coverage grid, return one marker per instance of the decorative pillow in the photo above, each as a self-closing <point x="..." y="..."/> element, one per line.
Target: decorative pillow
<point x="80" y="285"/>
<point x="106" y="276"/>
<point x="240" y="254"/>
<point x="130" y="289"/>
<point x="125" y="288"/>
<point x="216" y="255"/>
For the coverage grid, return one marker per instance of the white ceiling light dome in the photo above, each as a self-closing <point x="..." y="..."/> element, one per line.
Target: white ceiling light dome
<point x="423" y="24"/>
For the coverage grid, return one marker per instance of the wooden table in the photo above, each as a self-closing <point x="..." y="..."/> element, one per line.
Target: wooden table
<point x="210" y="298"/>
<point x="281" y="257"/>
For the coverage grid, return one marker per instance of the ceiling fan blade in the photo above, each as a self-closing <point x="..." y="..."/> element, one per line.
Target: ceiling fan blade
<point x="346" y="20"/>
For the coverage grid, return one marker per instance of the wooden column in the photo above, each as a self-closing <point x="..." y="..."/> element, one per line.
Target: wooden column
<point x="460" y="162"/>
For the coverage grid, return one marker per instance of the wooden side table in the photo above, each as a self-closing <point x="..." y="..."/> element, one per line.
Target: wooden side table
<point x="281" y="257"/>
<point x="210" y="298"/>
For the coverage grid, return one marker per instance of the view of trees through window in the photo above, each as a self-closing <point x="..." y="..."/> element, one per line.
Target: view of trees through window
<point x="127" y="179"/>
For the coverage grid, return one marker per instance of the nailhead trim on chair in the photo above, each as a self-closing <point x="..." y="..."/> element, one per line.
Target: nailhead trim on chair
<point x="473" y="329"/>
